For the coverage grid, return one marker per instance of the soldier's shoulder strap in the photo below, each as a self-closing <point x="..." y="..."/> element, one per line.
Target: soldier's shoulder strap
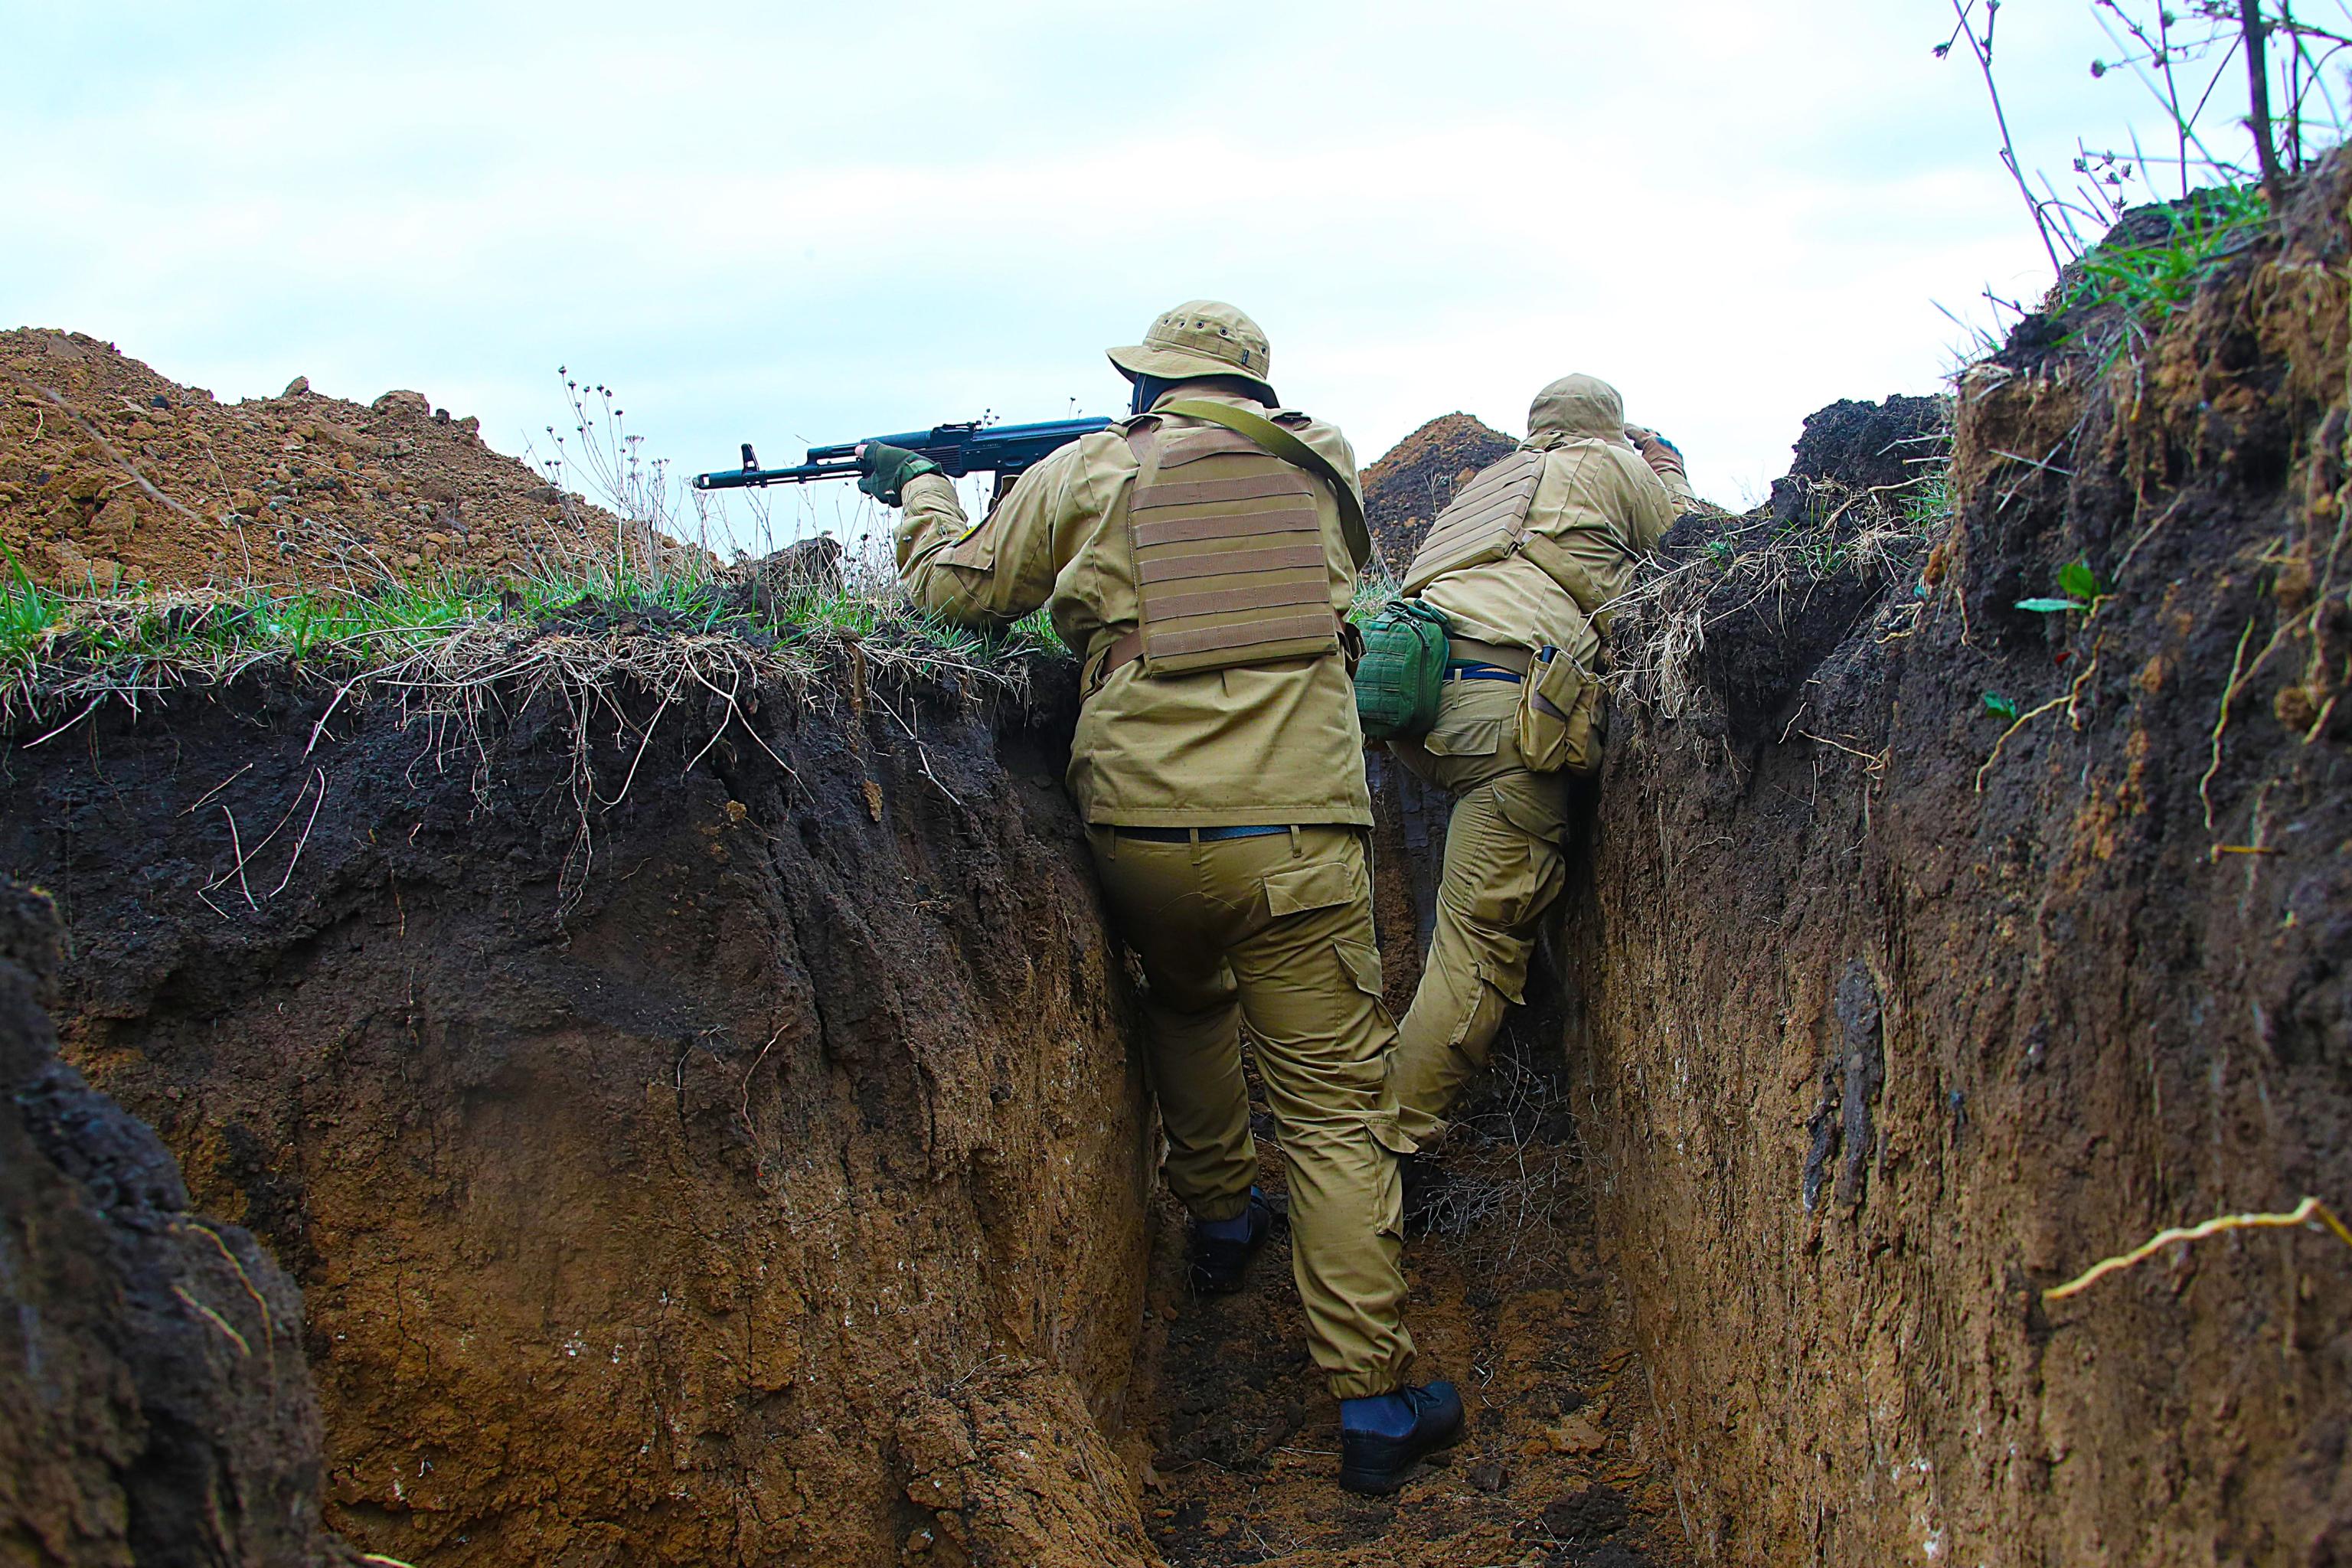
<point x="1278" y="442"/>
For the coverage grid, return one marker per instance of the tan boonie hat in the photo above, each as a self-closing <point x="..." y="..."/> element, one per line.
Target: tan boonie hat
<point x="1199" y="337"/>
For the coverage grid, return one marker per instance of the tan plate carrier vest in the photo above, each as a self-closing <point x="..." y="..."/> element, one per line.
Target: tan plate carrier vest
<point x="1230" y="566"/>
<point x="1488" y="521"/>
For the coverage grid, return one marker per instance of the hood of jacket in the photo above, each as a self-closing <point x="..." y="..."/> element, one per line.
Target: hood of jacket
<point x="1576" y="408"/>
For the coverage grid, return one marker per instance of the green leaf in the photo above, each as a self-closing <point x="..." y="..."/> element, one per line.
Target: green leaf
<point x="2077" y="579"/>
<point x="1996" y="704"/>
<point x="2051" y="606"/>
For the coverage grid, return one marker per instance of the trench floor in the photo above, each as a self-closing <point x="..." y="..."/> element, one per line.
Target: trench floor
<point x="1509" y="1298"/>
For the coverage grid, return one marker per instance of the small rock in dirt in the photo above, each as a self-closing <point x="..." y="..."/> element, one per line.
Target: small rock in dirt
<point x="1489" y="1476"/>
<point x="1576" y="1435"/>
<point x="400" y="400"/>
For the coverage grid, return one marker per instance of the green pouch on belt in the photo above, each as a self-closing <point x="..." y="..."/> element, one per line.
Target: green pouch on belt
<point x="1402" y="672"/>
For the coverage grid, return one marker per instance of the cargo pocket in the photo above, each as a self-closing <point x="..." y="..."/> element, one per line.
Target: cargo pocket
<point x="1535" y="804"/>
<point x="1361" y="961"/>
<point x="1321" y="886"/>
<point x="1461" y="730"/>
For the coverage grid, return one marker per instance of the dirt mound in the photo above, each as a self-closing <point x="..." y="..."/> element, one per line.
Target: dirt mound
<point x="1865" y="446"/>
<point x="728" y="1154"/>
<point x="112" y="474"/>
<point x="1791" y="582"/>
<point x="1979" y="944"/>
<point x="1412" y="482"/>
<point x="155" y="1406"/>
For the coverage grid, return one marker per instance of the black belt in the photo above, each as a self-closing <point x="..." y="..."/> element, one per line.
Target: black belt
<point x="1208" y="834"/>
<point x="1482" y="672"/>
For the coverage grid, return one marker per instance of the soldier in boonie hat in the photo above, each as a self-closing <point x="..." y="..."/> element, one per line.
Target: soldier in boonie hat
<point x="1198" y="338"/>
<point x="1201" y="555"/>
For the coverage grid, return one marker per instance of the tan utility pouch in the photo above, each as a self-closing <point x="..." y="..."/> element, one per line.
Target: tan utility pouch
<point x="1559" y="722"/>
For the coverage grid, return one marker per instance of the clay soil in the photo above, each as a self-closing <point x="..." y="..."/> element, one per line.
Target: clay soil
<point x="113" y="475"/>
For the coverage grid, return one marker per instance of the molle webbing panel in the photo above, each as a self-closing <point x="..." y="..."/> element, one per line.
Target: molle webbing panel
<point x="1483" y="523"/>
<point x="1230" y="562"/>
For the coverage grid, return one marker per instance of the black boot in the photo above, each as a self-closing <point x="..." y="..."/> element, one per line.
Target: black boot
<point x="1382" y="1438"/>
<point x="1220" y="1261"/>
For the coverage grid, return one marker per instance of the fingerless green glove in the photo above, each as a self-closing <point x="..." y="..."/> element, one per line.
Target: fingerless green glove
<point x="886" y="469"/>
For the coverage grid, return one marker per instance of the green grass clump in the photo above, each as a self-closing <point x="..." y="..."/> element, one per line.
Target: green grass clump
<point x="2150" y="280"/>
<point x="27" y="611"/>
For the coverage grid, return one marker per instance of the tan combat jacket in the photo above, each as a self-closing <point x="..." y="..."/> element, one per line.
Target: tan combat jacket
<point x="1597" y="497"/>
<point x="1274" y="744"/>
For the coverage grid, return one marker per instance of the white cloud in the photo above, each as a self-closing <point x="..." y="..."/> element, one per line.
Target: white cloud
<point x="812" y="222"/>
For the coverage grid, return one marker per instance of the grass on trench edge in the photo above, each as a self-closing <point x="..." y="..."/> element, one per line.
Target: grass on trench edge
<point x="2152" y="276"/>
<point x="40" y="625"/>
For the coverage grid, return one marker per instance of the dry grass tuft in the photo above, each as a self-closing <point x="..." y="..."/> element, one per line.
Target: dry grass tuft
<point x="1759" y="563"/>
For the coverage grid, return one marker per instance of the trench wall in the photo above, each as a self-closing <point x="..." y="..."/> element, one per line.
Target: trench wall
<point x="154" y="1404"/>
<point x="699" y="1140"/>
<point x="1885" y="1023"/>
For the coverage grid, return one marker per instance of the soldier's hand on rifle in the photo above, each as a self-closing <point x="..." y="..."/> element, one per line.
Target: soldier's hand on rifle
<point x="886" y="468"/>
<point x="1662" y="454"/>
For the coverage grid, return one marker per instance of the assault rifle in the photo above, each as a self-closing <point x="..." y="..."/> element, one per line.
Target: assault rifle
<point x="1004" y="451"/>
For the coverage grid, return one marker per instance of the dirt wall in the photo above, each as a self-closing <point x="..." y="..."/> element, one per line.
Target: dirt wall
<point x="767" y="1189"/>
<point x="155" y="1406"/>
<point x="1932" y="949"/>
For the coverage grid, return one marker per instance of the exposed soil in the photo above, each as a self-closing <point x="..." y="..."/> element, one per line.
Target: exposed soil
<point x="781" y="1200"/>
<point x="1892" y="1018"/>
<point x="114" y="474"/>
<point x="154" y="1405"/>
<point x="1416" y="478"/>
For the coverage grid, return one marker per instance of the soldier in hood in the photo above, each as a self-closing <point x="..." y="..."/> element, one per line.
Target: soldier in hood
<point x="1524" y="566"/>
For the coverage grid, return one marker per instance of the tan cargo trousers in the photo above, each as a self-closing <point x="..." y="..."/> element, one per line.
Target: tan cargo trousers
<point x="1503" y="867"/>
<point x="1274" y="934"/>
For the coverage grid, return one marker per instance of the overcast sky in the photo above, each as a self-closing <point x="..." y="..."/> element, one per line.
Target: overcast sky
<point x="804" y="223"/>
